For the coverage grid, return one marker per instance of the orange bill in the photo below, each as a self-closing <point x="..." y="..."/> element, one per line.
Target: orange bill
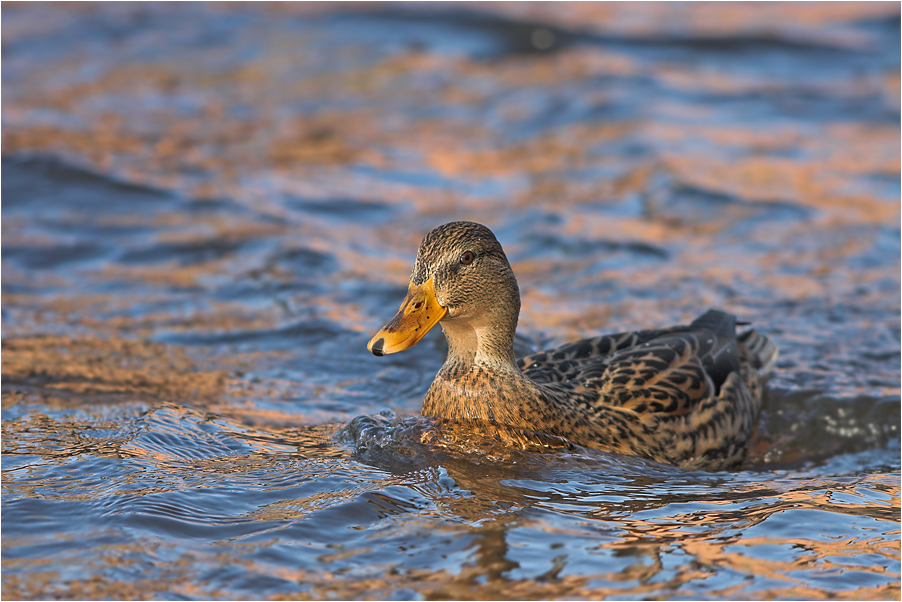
<point x="418" y="314"/>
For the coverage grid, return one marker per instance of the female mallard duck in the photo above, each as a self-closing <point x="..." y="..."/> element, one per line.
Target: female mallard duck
<point x="687" y="395"/>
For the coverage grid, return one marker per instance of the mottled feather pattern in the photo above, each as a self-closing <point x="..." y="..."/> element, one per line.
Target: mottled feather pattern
<point x="643" y="393"/>
<point x="687" y="396"/>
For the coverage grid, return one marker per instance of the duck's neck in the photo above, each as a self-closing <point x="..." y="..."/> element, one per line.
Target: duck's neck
<point x="480" y="379"/>
<point x="486" y="341"/>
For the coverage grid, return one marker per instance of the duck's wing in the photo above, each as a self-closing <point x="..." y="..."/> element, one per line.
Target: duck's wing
<point x="668" y="371"/>
<point x="564" y="363"/>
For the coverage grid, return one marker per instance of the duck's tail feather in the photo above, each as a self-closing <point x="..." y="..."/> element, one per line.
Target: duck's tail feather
<point x="716" y="321"/>
<point x="757" y="344"/>
<point x="763" y="348"/>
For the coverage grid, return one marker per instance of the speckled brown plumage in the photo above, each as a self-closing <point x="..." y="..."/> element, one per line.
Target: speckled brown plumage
<point x="687" y="395"/>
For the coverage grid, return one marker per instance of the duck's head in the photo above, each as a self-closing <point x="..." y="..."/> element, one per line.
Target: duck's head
<point x="462" y="279"/>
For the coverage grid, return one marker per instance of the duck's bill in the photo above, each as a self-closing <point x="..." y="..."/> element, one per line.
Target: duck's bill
<point x="418" y="314"/>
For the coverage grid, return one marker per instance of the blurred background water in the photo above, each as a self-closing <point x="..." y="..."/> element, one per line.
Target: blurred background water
<point x="209" y="208"/>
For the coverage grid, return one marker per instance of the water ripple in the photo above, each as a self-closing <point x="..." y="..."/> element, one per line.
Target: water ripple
<point x="209" y="208"/>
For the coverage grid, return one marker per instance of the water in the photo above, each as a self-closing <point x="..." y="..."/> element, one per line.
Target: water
<point x="208" y="210"/>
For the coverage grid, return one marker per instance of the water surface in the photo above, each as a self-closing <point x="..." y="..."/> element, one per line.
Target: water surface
<point x="209" y="209"/>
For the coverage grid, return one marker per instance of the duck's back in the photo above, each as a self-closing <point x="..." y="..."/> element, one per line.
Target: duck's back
<point x="688" y="395"/>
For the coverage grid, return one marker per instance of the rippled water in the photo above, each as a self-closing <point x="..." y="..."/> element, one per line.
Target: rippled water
<point x="209" y="209"/>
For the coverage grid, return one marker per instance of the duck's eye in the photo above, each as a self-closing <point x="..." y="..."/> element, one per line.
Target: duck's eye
<point x="467" y="258"/>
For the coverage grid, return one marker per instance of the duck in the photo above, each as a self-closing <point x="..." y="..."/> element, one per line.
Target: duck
<point x="688" y="395"/>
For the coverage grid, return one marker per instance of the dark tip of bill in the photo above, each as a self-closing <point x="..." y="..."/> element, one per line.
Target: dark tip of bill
<point x="377" y="347"/>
